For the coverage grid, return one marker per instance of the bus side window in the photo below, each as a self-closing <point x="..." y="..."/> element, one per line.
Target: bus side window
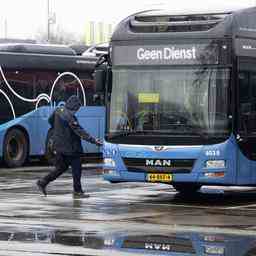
<point x="43" y="84"/>
<point x="89" y="85"/>
<point x="65" y="87"/>
<point x="252" y="121"/>
<point x="22" y="82"/>
<point x="6" y="113"/>
<point x="244" y="101"/>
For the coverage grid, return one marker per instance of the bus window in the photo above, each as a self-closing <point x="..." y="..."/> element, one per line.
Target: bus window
<point x="89" y="87"/>
<point x="247" y="104"/>
<point x="66" y="86"/>
<point x="69" y="85"/>
<point x="44" y="82"/>
<point x="244" y="91"/>
<point x="253" y="84"/>
<point x="252" y="119"/>
<point x="22" y="84"/>
<point x="244" y="100"/>
<point x="5" y="110"/>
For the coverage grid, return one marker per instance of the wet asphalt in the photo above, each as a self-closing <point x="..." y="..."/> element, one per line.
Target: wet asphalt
<point x="122" y="219"/>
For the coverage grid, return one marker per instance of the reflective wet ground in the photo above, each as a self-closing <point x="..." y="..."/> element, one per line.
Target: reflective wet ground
<point x="122" y="219"/>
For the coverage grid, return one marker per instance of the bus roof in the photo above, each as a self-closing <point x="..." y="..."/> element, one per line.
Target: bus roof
<point x="215" y="23"/>
<point x="190" y="11"/>
<point x="17" y="40"/>
<point x="35" y="56"/>
<point x="79" y="48"/>
<point x="37" y="48"/>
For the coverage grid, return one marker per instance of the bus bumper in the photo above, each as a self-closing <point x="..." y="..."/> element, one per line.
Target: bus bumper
<point x="122" y="176"/>
<point x="207" y="178"/>
<point x="213" y="164"/>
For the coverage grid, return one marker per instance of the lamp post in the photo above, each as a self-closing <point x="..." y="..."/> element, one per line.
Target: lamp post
<point x="5" y="28"/>
<point x="51" y="19"/>
<point x="48" y="20"/>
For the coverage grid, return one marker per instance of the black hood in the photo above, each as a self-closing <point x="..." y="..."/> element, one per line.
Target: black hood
<point x="73" y="103"/>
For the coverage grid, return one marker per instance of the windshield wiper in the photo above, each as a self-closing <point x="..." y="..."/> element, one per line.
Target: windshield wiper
<point x="192" y="130"/>
<point x="124" y="134"/>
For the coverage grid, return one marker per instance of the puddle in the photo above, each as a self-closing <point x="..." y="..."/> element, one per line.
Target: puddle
<point x="150" y="243"/>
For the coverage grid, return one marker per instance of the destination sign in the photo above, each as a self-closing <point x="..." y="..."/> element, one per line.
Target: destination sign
<point x="166" y="53"/>
<point x="178" y="54"/>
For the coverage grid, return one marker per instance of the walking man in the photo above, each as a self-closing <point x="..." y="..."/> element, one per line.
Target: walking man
<point x="67" y="135"/>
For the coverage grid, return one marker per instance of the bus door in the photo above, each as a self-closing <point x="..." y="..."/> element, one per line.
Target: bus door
<point x="247" y="123"/>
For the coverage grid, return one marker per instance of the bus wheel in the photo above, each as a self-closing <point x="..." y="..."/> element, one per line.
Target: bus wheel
<point x="49" y="155"/>
<point x="15" y="148"/>
<point x="186" y="188"/>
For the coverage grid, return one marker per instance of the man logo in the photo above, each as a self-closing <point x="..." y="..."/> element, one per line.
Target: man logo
<point x="159" y="148"/>
<point x="158" y="162"/>
<point x="158" y="246"/>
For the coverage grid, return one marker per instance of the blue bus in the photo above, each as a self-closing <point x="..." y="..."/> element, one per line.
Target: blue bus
<point x="182" y="99"/>
<point x="34" y="79"/>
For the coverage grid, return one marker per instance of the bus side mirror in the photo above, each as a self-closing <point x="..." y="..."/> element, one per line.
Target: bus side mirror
<point x="100" y="80"/>
<point x="109" y="80"/>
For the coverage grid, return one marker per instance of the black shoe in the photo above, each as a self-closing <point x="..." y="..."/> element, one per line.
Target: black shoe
<point x="41" y="187"/>
<point x="80" y="195"/>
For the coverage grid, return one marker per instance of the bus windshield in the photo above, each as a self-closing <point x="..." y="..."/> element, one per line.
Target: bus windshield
<point x="170" y="101"/>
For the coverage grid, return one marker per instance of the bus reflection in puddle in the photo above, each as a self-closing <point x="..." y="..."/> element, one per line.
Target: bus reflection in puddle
<point x="173" y="243"/>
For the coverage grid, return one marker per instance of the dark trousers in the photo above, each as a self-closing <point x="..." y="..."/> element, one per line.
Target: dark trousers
<point x="62" y="162"/>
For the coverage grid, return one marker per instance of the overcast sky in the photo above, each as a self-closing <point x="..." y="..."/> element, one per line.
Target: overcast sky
<point x="25" y="18"/>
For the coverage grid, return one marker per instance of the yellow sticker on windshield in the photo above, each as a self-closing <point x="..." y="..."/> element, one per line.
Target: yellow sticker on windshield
<point x="149" y="97"/>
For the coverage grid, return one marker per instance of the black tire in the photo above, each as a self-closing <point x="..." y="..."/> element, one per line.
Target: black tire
<point x="49" y="154"/>
<point x="15" y="148"/>
<point x="186" y="188"/>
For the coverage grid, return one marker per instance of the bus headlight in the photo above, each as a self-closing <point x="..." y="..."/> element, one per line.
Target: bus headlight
<point x="109" y="242"/>
<point x="210" y="164"/>
<point x="109" y="162"/>
<point x="214" y="250"/>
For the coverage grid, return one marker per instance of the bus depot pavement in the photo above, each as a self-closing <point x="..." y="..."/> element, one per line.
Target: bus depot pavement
<point x="122" y="219"/>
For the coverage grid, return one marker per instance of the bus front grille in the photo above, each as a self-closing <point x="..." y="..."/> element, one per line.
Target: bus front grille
<point x="161" y="165"/>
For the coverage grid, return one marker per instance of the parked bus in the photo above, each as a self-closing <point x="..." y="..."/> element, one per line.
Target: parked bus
<point x="34" y="79"/>
<point x="182" y="96"/>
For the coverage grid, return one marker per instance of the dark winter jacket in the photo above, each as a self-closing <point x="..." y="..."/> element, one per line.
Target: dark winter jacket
<point x="67" y="132"/>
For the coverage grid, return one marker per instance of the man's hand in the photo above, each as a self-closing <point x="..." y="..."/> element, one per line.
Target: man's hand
<point x="98" y="142"/>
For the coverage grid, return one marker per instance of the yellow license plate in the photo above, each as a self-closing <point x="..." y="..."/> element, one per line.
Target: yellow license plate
<point x="159" y="177"/>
